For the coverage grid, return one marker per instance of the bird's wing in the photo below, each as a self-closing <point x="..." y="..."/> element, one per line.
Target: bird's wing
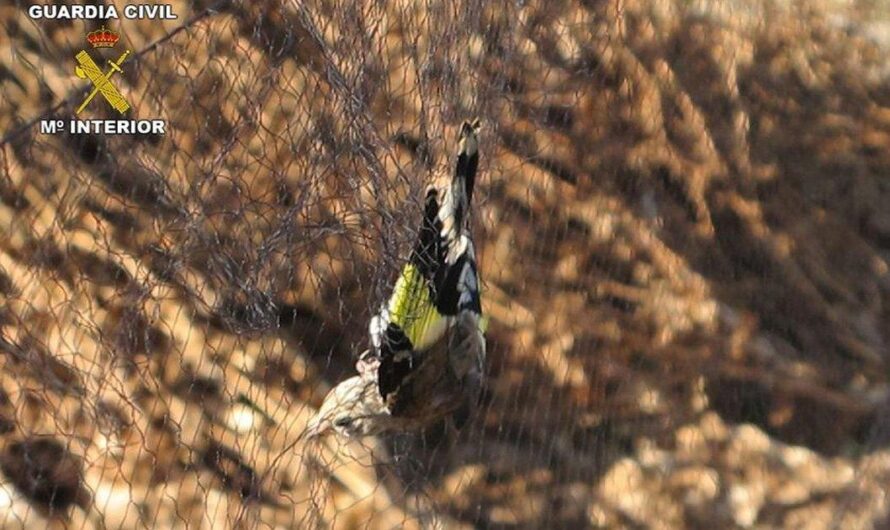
<point x="411" y="321"/>
<point x="439" y="281"/>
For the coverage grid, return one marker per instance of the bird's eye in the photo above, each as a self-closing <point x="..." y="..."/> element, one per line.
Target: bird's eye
<point x="343" y="421"/>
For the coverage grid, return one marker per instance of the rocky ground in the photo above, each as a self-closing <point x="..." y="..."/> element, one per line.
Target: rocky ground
<point x="682" y="230"/>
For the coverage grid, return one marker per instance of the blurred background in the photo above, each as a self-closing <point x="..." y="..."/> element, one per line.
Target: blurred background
<point x="682" y="224"/>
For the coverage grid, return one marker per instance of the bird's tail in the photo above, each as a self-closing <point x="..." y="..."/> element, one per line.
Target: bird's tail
<point x="456" y="279"/>
<point x="443" y="237"/>
<point x="457" y="203"/>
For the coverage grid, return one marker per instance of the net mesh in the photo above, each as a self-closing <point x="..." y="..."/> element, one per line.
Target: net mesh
<point x="681" y="228"/>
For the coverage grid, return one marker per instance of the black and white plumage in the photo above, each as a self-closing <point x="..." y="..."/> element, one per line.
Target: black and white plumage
<point x="427" y="355"/>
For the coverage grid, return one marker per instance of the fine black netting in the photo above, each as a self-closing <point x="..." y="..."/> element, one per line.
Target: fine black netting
<point x="681" y="227"/>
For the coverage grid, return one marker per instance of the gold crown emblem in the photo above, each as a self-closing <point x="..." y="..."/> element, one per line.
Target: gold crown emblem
<point x="103" y="38"/>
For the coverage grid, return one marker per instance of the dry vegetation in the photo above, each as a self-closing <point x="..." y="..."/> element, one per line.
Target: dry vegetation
<point x="683" y="231"/>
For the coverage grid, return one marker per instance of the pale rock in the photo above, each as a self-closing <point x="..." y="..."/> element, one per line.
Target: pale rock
<point x="459" y="482"/>
<point x="713" y="428"/>
<point x="744" y="504"/>
<point x="242" y="419"/>
<point x="749" y="439"/>
<point x="700" y="484"/>
<point x="623" y="488"/>
<point x="691" y="443"/>
<point x="651" y="456"/>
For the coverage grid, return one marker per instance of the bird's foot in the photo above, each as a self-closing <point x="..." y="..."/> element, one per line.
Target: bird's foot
<point x="367" y="365"/>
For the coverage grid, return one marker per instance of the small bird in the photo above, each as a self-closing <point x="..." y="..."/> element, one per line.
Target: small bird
<point x="427" y="356"/>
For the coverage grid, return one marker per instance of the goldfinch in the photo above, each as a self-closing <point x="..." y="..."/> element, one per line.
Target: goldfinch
<point x="427" y="355"/>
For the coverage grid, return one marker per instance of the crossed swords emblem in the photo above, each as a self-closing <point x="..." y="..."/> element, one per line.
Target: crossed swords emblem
<point x="88" y="69"/>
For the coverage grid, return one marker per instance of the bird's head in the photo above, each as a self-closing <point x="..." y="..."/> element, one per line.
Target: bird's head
<point x="352" y="409"/>
<point x="467" y="136"/>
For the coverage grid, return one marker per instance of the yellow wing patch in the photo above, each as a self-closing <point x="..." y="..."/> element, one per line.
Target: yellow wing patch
<point x="413" y="310"/>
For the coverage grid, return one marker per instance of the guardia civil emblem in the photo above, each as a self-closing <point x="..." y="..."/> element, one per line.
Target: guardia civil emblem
<point x="88" y="69"/>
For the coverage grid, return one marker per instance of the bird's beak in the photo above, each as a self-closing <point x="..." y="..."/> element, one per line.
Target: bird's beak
<point x="317" y="426"/>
